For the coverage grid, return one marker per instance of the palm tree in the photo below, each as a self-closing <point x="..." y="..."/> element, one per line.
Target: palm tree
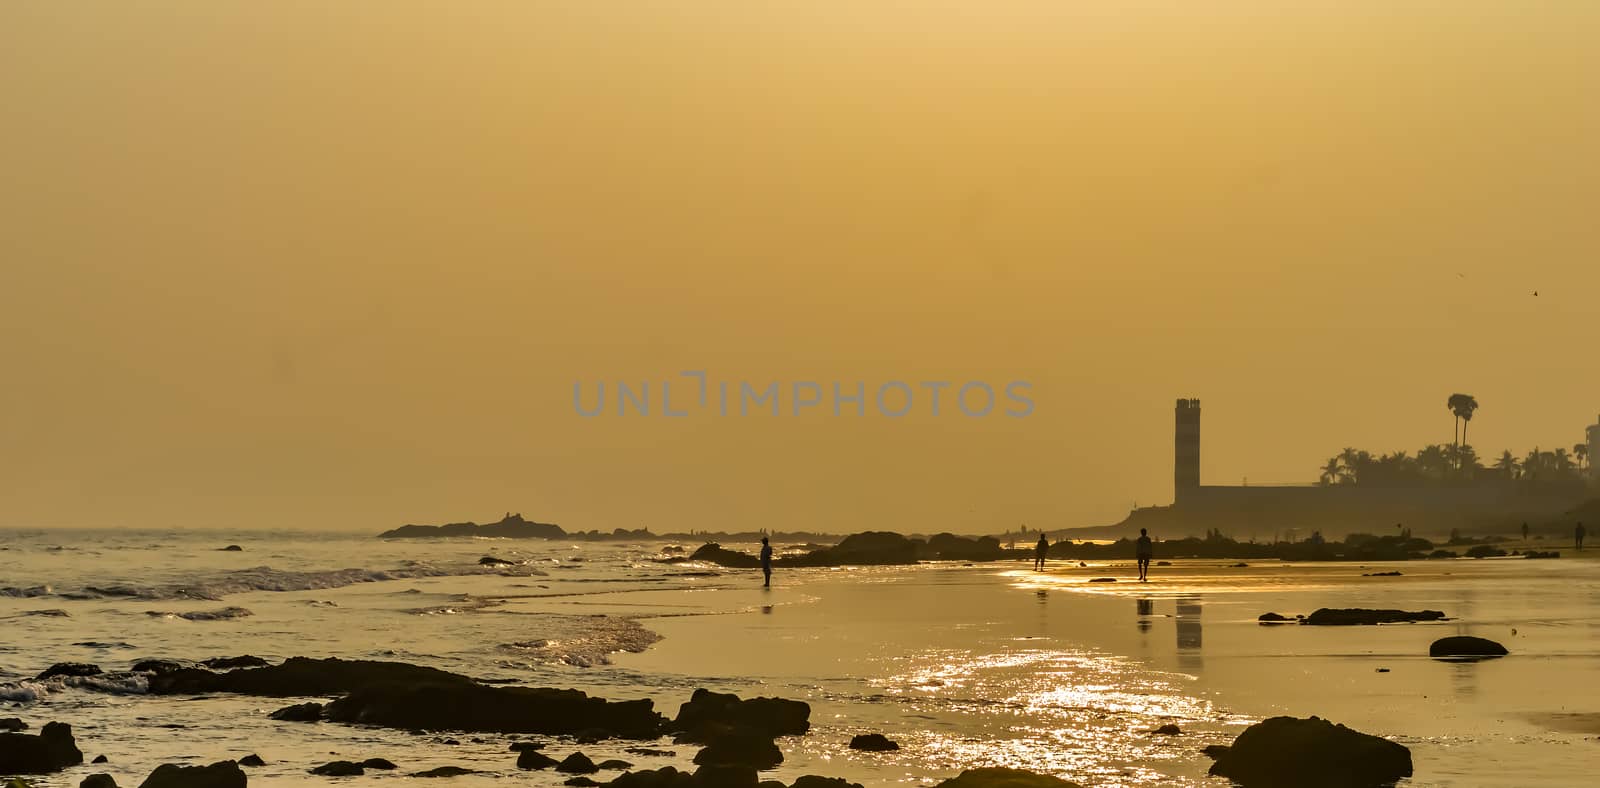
<point x="1330" y="472"/>
<point x="1349" y="461"/>
<point x="1462" y="405"/>
<point x="1507" y="464"/>
<point x="1581" y="451"/>
<point x="1563" y="462"/>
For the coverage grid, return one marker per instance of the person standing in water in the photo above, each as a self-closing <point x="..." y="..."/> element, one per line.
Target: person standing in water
<point x="766" y="563"/>
<point x="1144" y="550"/>
<point x="1524" y="532"/>
<point x="1578" y="533"/>
<point x="1040" y="550"/>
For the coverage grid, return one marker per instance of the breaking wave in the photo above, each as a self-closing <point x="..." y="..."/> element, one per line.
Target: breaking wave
<point x="583" y="641"/>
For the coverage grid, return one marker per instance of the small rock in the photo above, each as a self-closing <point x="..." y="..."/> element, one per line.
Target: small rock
<point x="339" y="769"/>
<point x="614" y="763"/>
<point x="69" y="669"/>
<point x="813" y="781"/>
<point x="1466" y="646"/>
<point x="300" y="712"/>
<point x="577" y="763"/>
<point x="1273" y="618"/>
<point x="490" y="560"/>
<point x="737" y="748"/>
<point x="1103" y="580"/>
<point x="252" y="760"/>
<point x="1168" y="730"/>
<point x="723" y="775"/>
<point x="378" y="763"/>
<point x="232" y="548"/>
<point x="522" y="746"/>
<point x="1214" y="750"/>
<point x="654" y="753"/>
<point x="100" y="759"/>
<point x="229" y="663"/>
<point x="222" y="774"/>
<point x="1004" y="778"/>
<point x="533" y="759"/>
<point x="445" y="771"/>
<point x="581" y="781"/>
<point x="12" y="725"/>
<point x="98" y="781"/>
<point x="52" y="750"/>
<point x="873" y="742"/>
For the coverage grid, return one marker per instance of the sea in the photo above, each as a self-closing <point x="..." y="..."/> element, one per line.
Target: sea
<point x="963" y="665"/>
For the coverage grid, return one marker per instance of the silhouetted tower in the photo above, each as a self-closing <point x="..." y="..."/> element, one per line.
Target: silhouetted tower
<point x="1186" y="450"/>
<point x="1594" y="452"/>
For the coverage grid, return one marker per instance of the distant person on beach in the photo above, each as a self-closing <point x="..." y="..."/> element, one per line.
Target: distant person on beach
<point x="1144" y="550"/>
<point x="1040" y="550"/>
<point x="1579" y="532"/>
<point x="1524" y="532"/>
<point x="766" y="562"/>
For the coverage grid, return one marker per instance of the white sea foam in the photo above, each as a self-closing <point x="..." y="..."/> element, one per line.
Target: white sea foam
<point x="584" y="641"/>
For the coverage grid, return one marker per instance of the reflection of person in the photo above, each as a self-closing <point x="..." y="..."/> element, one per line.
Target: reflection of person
<point x="766" y="562"/>
<point x="1579" y="532"/>
<point x="1040" y="550"/>
<point x="1144" y="551"/>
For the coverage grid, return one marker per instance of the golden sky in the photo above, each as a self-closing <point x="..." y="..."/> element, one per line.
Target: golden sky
<point x="321" y="264"/>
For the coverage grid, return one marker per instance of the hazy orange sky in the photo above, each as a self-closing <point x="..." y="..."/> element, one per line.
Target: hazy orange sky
<point x="322" y="264"/>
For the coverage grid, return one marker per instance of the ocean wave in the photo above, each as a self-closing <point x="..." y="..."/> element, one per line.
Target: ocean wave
<point x="32" y="690"/>
<point x="225" y="614"/>
<point x="584" y="641"/>
<point x="265" y="578"/>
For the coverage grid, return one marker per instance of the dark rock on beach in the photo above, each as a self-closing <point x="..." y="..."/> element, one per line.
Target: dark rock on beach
<point x="161" y="665"/>
<point x="581" y="782"/>
<point x="52" y="750"/>
<point x="577" y="763"/>
<point x="232" y="548"/>
<point x="252" y="760"/>
<point x="1004" y="778"/>
<point x="1313" y="753"/>
<point x="100" y="759"/>
<point x="340" y="769"/>
<point x="1381" y="574"/>
<point x="381" y="764"/>
<point x="651" y="751"/>
<point x="12" y="725"/>
<point x="1466" y="646"/>
<point x="665" y="777"/>
<point x="1274" y="618"/>
<point x="300" y="712"/>
<point x="1485" y="551"/>
<point x="522" y="746"/>
<point x="709" y="713"/>
<point x="726" y="776"/>
<point x="69" y="669"/>
<point x="222" y="774"/>
<point x="614" y="764"/>
<point x="98" y="781"/>
<point x="1168" y="730"/>
<point x="533" y="759"/>
<point x="229" y="663"/>
<point x="813" y="781"/>
<point x="444" y="771"/>
<point x="1355" y="616"/>
<point x="299" y="676"/>
<point x="1103" y="580"/>
<point x="490" y="560"/>
<point x="740" y="748"/>
<point x="873" y="742"/>
<point x="473" y="707"/>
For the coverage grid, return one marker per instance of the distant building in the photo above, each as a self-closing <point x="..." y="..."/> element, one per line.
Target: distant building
<point x="1594" y="451"/>
<point x="1186" y="449"/>
<point x="1265" y="509"/>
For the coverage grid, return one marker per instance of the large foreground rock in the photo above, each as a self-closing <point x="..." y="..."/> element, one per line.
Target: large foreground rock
<point x="1312" y="753"/>
<point x="1004" y="778"/>
<point x="708" y="714"/>
<point x="52" y="750"/>
<point x="479" y="708"/>
<point x="300" y="676"/>
<point x="222" y="774"/>
<point x="1353" y="616"/>
<point x="1466" y="646"/>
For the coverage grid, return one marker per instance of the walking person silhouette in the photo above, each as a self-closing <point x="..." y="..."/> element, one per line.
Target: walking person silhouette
<point x="1144" y="550"/>
<point x="1579" y="534"/>
<point x="766" y="563"/>
<point x="1040" y="550"/>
